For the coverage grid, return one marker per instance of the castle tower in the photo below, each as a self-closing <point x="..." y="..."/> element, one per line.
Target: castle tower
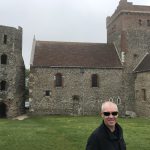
<point x="12" y="72"/>
<point x="129" y="29"/>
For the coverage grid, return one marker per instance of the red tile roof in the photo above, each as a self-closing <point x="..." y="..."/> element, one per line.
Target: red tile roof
<point x="74" y="54"/>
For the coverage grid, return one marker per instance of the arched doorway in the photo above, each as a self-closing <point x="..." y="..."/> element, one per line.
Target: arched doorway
<point x="76" y="105"/>
<point x="2" y="110"/>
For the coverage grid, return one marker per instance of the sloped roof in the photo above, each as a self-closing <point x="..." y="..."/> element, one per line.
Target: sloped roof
<point x="144" y="66"/>
<point x="75" y="54"/>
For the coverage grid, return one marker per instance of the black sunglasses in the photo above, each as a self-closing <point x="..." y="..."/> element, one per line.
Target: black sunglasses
<point x="115" y="113"/>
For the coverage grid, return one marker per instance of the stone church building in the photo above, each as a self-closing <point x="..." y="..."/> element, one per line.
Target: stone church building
<point x="75" y="78"/>
<point x="12" y="72"/>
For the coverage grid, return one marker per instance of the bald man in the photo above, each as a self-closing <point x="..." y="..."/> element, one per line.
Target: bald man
<point x="109" y="135"/>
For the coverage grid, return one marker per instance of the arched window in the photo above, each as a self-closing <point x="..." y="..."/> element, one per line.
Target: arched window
<point x="95" y="80"/>
<point x="3" y="59"/>
<point x="58" y="80"/>
<point x="118" y="100"/>
<point x="111" y="99"/>
<point x="3" y="85"/>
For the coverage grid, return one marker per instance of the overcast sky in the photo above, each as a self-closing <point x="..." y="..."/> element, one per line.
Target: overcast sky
<point x="59" y="20"/>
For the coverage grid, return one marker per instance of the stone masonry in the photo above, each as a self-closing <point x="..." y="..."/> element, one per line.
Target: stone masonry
<point x="142" y="92"/>
<point x="129" y="29"/>
<point x="12" y="72"/>
<point x="75" y="83"/>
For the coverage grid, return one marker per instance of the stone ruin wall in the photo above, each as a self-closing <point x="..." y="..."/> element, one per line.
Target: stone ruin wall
<point x="13" y="72"/>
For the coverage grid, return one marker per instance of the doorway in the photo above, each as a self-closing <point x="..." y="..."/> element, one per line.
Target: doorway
<point x="76" y="105"/>
<point x="2" y="110"/>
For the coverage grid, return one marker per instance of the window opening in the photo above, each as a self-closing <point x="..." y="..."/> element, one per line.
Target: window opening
<point x="111" y="99"/>
<point x="144" y="94"/>
<point x="47" y="93"/>
<point x="5" y="39"/>
<point x="4" y="59"/>
<point x="75" y="97"/>
<point x="140" y="22"/>
<point x="148" y="23"/>
<point x="3" y="85"/>
<point x="94" y="80"/>
<point x="118" y="100"/>
<point x="58" y="81"/>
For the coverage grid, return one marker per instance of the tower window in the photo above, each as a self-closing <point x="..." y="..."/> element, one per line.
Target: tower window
<point x="5" y="39"/>
<point x="95" y="80"/>
<point x="58" y="80"/>
<point x="135" y="55"/>
<point x="144" y="94"/>
<point x="3" y="85"/>
<point x="4" y="59"/>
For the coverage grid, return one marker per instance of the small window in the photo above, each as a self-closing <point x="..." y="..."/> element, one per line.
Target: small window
<point x="118" y="100"/>
<point x="135" y="55"/>
<point x="136" y="94"/>
<point x="95" y="80"/>
<point x="111" y="99"/>
<point x="144" y="94"/>
<point x="4" y="59"/>
<point x="5" y="39"/>
<point x="75" y="97"/>
<point x="47" y="93"/>
<point x="3" y="85"/>
<point x="58" y="80"/>
<point x="148" y="23"/>
<point x="140" y="22"/>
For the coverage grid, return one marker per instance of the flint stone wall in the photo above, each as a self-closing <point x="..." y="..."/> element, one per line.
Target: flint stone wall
<point x="13" y="72"/>
<point x="142" y="104"/>
<point x="76" y="83"/>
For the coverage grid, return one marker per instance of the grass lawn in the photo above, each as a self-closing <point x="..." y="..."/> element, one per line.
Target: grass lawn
<point x="66" y="133"/>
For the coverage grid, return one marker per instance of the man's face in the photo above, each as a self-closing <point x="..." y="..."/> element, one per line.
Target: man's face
<point x="110" y="115"/>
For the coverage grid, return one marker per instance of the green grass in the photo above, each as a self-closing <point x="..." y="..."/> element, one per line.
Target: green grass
<point x="66" y="133"/>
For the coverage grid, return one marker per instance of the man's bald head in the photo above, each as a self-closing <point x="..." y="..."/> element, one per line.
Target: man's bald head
<point x="109" y="104"/>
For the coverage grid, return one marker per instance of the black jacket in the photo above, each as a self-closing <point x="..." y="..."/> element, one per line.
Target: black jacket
<point x="103" y="139"/>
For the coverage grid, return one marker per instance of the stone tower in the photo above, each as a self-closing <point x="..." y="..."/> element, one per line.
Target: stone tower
<point x="129" y="29"/>
<point x="12" y="72"/>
